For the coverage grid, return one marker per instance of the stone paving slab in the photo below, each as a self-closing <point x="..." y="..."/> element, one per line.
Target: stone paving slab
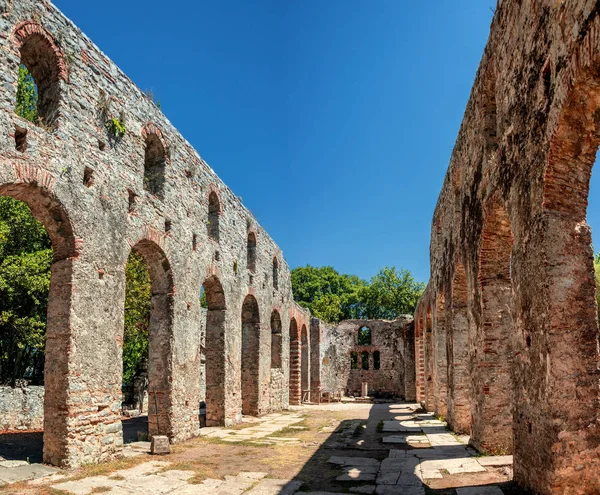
<point x="275" y="487"/>
<point x="353" y="461"/>
<point x="397" y="426"/>
<point x="25" y="472"/>
<point x="12" y="464"/>
<point x="368" y="489"/>
<point x="394" y="439"/>
<point x="399" y="490"/>
<point x="496" y="460"/>
<point x="479" y="490"/>
<point x="355" y="474"/>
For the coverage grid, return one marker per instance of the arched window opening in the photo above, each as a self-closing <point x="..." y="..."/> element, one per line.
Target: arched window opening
<point x="354" y="361"/>
<point x="214" y="213"/>
<point x="251" y="252"/>
<point x="365" y="360"/>
<point x="364" y="336"/>
<point x="376" y="360"/>
<point x="213" y="359"/>
<point x="276" y="340"/>
<point x="38" y="82"/>
<point x="250" y="356"/>
<point x="154" y="165"/>
<point x="275" y="274"/>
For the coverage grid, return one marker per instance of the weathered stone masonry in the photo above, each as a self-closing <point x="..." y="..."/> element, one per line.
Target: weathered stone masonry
<point x="100" y="197"/>
<point x="507" y="332"/>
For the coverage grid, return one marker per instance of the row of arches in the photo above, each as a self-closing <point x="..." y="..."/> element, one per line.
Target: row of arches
<point x="161" y="405"/>
<point x="42" y="58"/>
<point x="363" y="364"/>
<point x="464" y="341"/>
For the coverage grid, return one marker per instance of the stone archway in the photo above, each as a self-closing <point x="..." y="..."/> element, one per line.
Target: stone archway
<point x="304" y="363"/>
<point x="48" y="210"/>
<point x="250" y="356"/>
<point x="216" y="318"/>
<point x="295" y="379"/>
<point x="160" y="337"/>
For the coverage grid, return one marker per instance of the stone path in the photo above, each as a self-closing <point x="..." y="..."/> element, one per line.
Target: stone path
<point x="14" y="471"/>
<point x="261" y="432"/>
<point x="394" y="451"/>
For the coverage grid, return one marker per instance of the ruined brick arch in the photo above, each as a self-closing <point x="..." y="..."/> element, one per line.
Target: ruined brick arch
<point x="492" y="353"/>
<point x="45" y="61"/>
<point x="216" y="318"/>
<point x="160" y="337"/>
<point x="440" y="363"/>
<point x="48" y="210"/>
<point x="155" y="159"/>
<point x="457" y="345"/>
<point x="276" y="340"/>
<point x="567" y="348"/>
<point x="304" y="361"/>
<point x="295" y="383"/>
<point x="420" y="356"/>
<point x="429" y="362"/>
<point x="250" y="356"/>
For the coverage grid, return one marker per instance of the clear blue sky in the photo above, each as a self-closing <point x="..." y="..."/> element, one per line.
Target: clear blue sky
<point x="334" y="120"/>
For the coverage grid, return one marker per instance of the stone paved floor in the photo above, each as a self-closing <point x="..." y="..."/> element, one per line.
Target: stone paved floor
<point x="386" y="449"/>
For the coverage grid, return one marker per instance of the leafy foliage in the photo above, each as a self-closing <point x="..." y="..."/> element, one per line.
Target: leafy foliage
<point x="116" y="127"/>
<point x="329" y="295"/>
<point x="364" y="336"/>
<point x="27" y="96"/>
<point x="333" y="297"/>
<point x="390" y="294"/>
<point x="138" y="306"/>
<point x="25" y="260"/>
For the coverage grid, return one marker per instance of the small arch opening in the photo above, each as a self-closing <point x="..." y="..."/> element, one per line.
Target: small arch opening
<point x="38" y="83"/>
<point x="251" y="252"/>
<point x="364" y="358"/>
<point x="154" y="165"/>
<point x="214" y="213"/>
<point x="275" y="274"/>
<point x="276" y="340"/>
<point x="364" y="336"/>
<point x="354" y="361"/>
<point x="376" y="360"/>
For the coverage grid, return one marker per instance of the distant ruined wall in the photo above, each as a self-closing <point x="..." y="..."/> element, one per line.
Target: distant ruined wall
<point x="506" y="331"/>
<point x="391" y="339"/>
<point x="21" y="408"/>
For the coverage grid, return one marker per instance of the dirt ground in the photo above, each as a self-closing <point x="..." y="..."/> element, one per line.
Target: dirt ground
<point x="330" y="430"/>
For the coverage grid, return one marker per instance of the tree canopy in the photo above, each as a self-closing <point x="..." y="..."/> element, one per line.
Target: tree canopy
<point x="333" y="297"/>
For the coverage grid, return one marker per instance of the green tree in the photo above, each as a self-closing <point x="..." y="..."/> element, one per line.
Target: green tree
<point x="390" y="294"/>
<point x="27" y="96"/>
<point x="138" y="306"/>
<point x="329" y="295"/>
<point x="25" y="261"/>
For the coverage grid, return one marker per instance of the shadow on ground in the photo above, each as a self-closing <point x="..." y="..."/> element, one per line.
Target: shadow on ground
<point x="350" y="439"/>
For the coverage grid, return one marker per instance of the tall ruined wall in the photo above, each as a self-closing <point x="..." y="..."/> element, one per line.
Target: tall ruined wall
<point x="506" y="332"/>
<point x="391" y="339"/>
<point x="89" y="189"/>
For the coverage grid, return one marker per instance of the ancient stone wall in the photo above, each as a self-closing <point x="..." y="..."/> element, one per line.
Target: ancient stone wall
<point x="21" y="408"/>
<point x="391" y="344"/>
<point x="507" y="332"/>
<point x="100" y="195"/>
